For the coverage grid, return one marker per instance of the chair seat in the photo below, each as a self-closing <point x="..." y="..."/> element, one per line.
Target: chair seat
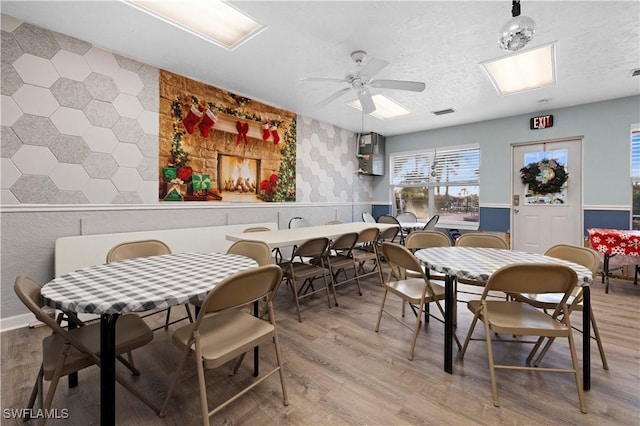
<point x="362" y="255"/>
<point x="226" y="336"/>
<point x="545" y="301"/>
<point x="471" y="282"/>
<point x="341" y="262"/>
<point x="301" y="270"/>
<point x="412" y="289"/>
<point x="519" y="319"/>
<point x="438" y="277"/>
<point x="131" y="333"/>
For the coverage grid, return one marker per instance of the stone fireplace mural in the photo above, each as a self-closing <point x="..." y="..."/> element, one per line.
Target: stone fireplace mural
<point x="218" y="146"/>
<point x="238" y="174"/>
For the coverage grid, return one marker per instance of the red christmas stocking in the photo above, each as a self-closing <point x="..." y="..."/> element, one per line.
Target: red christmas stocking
<point x="192" y="118"/>
<point x="276" y="136"/>
<point x="207" y="122"/>
<point x="265" y="131"/>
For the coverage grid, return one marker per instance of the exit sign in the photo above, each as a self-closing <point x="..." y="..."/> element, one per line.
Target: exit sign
<point x="541" y="122"/>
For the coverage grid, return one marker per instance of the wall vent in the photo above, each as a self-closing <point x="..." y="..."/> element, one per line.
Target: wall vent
<point x="443" y="111"/>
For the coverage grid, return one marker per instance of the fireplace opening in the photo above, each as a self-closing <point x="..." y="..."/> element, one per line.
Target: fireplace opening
<point x="238" y="174"/>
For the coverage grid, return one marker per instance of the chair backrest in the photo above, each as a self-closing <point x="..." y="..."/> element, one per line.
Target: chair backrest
<point x="316" y="247"/>
<point x="369" y="235"/>
<point x="345" y="242"/>
<point x="536" y="278"/>
<point x="386" y="218"/>
<point x="298" y="222"/>
<point x="257" y="229"/>
<point x="406" y="217"/>
<point x="584" y="256"/>
<point x="28" y="291"/>
<point x="399" y="256"/>
<point x="389" y="234"/>
<point x="241" y="289"/>
<point x="481" y="239"/>
<point x="256" y="250"/>
<point x="133" y="249"/>
<point x="424" y="239"/>
<point x="431" y="223"/>
<point x="366" y="217"/>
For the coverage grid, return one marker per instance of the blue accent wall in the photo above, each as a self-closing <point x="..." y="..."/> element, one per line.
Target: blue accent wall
<point x="494" y="219"/>
<point x="497" y="219"/>
<point x="612" y="219"/>
<point x="378" y="209"/>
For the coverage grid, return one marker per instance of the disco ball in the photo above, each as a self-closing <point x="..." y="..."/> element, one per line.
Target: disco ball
<point x="516" y="33"/>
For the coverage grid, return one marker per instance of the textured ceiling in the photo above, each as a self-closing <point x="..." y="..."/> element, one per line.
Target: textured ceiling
<point x="438" y="42"/>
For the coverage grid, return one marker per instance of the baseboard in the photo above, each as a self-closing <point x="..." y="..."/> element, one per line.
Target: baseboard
<point x="18" y="321"/>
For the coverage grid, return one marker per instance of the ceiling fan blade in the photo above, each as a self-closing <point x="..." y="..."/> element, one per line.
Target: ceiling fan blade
<point x="333" y="97"/>
<point x="366" y="101"/>
<point x="373" y="67"/>
<point x="322" y="79"/>
<point x="412" y="86"/>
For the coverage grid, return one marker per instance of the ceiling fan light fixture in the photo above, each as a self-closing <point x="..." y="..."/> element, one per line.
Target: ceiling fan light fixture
<point x="385" y="107"/>
<point x="518" y="31"/>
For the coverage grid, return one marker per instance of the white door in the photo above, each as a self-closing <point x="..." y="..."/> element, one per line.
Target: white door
<point x="540" y="220"/>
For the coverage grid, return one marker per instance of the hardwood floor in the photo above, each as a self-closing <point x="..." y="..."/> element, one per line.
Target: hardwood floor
<point x="339" y="371"/>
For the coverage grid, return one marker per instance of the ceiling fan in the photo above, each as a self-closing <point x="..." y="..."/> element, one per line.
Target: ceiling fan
<point x="362" y="79"/>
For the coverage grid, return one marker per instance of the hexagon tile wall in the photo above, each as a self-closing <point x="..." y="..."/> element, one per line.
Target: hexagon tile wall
<point x="326" y="165"/>
<point x="79" y="124"/>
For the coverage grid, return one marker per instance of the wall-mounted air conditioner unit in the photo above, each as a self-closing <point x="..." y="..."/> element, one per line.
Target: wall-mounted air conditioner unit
<point x="371" y="154"/>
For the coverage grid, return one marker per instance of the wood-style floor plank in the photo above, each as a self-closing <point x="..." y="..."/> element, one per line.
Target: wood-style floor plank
<point x="340" y="372"/>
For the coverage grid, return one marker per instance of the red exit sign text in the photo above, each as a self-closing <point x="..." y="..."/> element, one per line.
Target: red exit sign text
<point x="541" y="122"/>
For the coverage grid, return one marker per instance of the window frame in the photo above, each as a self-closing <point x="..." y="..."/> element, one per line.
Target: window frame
<point x="427" y="179"/>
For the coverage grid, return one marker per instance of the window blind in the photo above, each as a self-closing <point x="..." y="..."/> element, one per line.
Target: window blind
<point x="437" y="167"/>
<point x="457" y="166"/>
<point x="411" y="169"/>
<point x="635" y="154"/>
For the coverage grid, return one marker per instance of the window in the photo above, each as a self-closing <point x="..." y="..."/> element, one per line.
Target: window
<point x="635" y="176"/>
<point x="442" y="181"/>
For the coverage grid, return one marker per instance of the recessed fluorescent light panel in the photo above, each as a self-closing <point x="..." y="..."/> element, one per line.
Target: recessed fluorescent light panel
<point x="522" y="71"/>
<point x="212" y="20"/>
<point x="385" y="107"/>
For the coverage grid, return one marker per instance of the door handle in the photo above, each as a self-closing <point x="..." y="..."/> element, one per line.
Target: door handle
<point x="516" y="211"/>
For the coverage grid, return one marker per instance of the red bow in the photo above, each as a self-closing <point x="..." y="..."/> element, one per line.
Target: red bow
<point x="243" y="129"/>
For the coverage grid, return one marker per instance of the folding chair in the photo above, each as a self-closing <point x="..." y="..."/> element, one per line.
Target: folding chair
<point x="340" y="259"/>
<point x="144" y="248"/>
<point x="416" y="291"/>
<point x="298" y="270"/>
<point x="366" y="250"/>
<point x="68" y="351"/>
<point x="586" y="257"/>
<point x="516" y="318"/>
<point x="222" y="333"/>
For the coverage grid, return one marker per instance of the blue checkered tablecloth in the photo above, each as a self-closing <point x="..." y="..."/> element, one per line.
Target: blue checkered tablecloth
<point x="474" y="263"/>
<point x="141" y="284"/>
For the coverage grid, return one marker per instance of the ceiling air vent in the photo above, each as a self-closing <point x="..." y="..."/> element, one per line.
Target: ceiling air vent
<point x="635" y="72"/>
<point x="443" y="111"/>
